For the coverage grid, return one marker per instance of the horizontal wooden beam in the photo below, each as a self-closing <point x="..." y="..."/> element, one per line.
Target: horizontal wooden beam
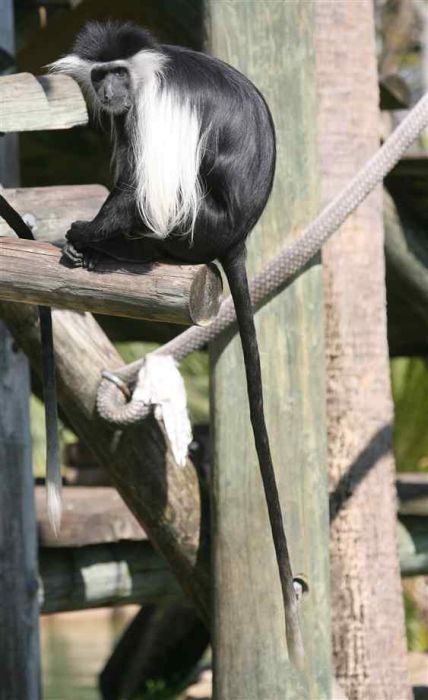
<point x="53" y="209"/>
<point x="31" y="104"/>
<point x="30" y="271"/>
<point x="75" y="578"/>
<point x="91" y="515"/>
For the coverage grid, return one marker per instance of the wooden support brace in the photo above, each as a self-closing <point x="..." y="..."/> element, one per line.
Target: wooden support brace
<point x="30" y="271"/>
<point x="75" y="578"/>
<point x="28" y="103"/>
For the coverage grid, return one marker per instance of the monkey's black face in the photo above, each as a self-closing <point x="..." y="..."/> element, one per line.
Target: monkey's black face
<point x="112" y="86"/>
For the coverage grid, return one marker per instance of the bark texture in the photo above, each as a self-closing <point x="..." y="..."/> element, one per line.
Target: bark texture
<point x="368" y="623"/>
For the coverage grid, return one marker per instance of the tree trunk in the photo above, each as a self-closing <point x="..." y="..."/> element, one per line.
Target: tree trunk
<point x="368" y="624"/>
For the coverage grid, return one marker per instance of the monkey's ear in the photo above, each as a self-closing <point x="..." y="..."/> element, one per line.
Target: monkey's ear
<point x="72" y="65"/>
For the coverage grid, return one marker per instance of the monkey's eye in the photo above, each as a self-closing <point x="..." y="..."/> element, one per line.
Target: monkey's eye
<point x="121" y="71"/>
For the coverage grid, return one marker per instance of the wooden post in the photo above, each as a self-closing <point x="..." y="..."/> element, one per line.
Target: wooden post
<point x="19" y="636"/>
<point x="367" y="610"/>
<point x="272" y="42"/>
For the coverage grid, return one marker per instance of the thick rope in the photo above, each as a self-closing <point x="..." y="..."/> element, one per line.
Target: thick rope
<point x="111" y="402"/>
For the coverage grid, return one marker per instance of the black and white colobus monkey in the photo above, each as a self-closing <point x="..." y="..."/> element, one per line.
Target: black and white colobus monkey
<point x="194" y="157"/>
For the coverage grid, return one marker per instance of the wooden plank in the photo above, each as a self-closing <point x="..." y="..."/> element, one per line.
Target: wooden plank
<point x="53" y="209"/>
<point x="94" y="515"/>
<point x="75" y="578"/>
<point x="19" y="609"/>
<point x="263" y="41"/>
<point x="30" y="271"/>
<point x="28" y="103"/>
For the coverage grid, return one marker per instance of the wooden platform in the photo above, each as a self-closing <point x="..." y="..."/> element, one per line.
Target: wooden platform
<point x="30" y="103"/>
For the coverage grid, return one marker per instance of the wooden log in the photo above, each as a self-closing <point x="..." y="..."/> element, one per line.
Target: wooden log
<point x="31" y="104"/>
<point x="30" y="271"/>
<point x="262" y="40"/>
<point x="75" y="578"/>
<point x="94" y="515"/>
<point x="53" y="209"/>
<point x="19" y="608"/>
<point x="169" y="502"/>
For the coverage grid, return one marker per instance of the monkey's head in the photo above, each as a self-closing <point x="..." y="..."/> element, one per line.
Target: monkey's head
<point x="110" y="61"/>
<point x="112" y="86"/>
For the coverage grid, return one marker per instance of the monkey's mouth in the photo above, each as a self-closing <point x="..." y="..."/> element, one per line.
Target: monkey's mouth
<point x="115" y="106"/>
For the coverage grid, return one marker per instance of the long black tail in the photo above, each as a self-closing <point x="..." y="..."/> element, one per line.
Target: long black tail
<point x="53" y="472"/>
<point x="234" y="267"/>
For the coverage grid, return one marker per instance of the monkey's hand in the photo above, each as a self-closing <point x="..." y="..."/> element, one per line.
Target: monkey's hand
<point x="80" y="234"/>
<point x="76" y="252"/>
<point x="87" y="258"/>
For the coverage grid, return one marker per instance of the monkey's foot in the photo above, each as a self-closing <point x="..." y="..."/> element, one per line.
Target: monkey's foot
<point x="75" y="257"/>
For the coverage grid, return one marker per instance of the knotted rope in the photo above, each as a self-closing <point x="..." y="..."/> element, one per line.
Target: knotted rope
<point x="112" y="403"/>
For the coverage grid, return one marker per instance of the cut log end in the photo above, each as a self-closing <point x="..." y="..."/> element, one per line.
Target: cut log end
<point x="205" y="295"/>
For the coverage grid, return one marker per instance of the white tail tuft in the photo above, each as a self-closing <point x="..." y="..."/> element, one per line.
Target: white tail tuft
<point x="54" y="506"/>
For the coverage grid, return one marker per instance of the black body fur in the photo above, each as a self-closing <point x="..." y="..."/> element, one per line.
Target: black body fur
<point x="236" y="171"/>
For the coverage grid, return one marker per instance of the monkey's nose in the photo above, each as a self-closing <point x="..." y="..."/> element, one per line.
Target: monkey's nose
<point x="107" y="93"/>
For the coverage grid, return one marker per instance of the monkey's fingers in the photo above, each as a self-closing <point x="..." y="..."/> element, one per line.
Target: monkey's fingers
<point x="71" y="256"/>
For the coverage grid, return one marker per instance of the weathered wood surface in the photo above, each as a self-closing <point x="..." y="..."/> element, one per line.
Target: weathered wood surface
<point x="273" y="44"/>
<point x="165" y="499"/>
<point x="367" y="607"/>
<point x="53" y="209"/>
<point x="19" y="609"/>
<point x="19" y="637"/>
<point x="28" y="103"/>
<point x="30" y="271"/>
<point x="94" y="515"/>
<point x="74" y="578"/>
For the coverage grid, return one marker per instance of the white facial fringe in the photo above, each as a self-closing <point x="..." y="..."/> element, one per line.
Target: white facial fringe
<point x="80" y="70"/>
<point x="161" y="385"/>
<point x="168" y="148"/>
<point x="73" y="65"/>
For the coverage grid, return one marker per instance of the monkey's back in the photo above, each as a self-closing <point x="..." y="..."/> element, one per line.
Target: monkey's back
<point x="238" y="162"/>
